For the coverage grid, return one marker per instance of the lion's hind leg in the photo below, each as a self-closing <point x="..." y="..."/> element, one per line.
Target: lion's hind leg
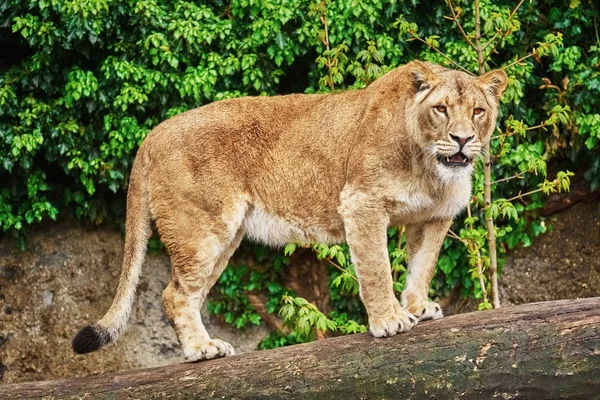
<point x="198" y="257"/>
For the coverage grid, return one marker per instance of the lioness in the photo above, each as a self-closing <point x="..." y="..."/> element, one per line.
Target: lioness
<point x="306" y="168"/>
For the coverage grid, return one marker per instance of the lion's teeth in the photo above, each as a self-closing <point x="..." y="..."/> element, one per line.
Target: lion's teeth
<point x="447" y="159"/>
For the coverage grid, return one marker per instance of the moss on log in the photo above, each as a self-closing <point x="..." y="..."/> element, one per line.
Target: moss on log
<point x="546" y="350"/>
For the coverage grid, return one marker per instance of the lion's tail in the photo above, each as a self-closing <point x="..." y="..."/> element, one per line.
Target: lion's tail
<point x="137" y="233"/>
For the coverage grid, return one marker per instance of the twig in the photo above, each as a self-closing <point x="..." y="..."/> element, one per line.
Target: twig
<point x="518" y="61"/>
<point x="341" y="269"/>
<point x="399" y="247"/>
<point x="517" y="176"/>
<point x="542" y="125"/>
<point x="503" y="141"/>
<point x="503" y="135"/>
<point x="400" y="234"/>
<point x="507" y="135"/>
<point x="453" y="235"/>
<point x="470" y="246"/>
<point x="442" y="54"/>
<point x="325" y="40"/>
<point x="596" y="29"/>
<point x="480" y="275"/>
<point x="324" y="21"/>
<point x="506" y="33"/>
<point x="455" y="19"/>
<point x="521" y="195"/>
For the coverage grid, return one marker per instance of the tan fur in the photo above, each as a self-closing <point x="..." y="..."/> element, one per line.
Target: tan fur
<point x="308" y="168"/>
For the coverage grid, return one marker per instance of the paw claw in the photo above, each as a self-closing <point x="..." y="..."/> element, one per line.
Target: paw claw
<point x="430" y="310"/>
<point x="421" y="306"/>
<point x="207" y="350"/>
<point x="400" y="321"/>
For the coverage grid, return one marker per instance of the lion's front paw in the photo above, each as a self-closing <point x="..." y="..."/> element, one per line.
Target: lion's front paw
<point x="400" y="321"/>
<point x="213" y="348"/>
<point x="427" y="310"/>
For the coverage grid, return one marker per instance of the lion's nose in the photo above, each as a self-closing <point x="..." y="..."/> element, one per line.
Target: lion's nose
<point x="462" y="140"/>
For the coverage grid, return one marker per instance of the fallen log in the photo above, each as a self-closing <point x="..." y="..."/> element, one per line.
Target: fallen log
<point x="546" y="350"/>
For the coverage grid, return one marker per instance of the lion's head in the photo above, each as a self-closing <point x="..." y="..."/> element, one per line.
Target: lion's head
<point x="453" y="114"/>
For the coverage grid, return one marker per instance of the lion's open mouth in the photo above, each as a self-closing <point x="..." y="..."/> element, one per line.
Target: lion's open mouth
<point x="456" y="160"/>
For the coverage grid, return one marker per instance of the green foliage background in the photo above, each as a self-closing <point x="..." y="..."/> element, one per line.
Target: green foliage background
<point x="82" y="82"/>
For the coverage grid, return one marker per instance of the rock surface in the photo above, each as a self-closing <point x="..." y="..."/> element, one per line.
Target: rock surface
<point x="66" y="280"/>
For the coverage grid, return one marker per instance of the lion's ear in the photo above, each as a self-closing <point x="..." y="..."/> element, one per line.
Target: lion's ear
<point x="423" y="78"/>
<point x="494" y="82"/>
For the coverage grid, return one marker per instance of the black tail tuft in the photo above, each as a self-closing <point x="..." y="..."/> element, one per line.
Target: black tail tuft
<point x="90" y="338"/>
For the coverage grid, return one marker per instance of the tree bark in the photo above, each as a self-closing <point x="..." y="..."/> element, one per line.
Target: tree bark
<point x="544" y="350"/>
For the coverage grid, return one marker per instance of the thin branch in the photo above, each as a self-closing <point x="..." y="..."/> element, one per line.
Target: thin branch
<point x="479" y="50"/>
<point x="517" y="176"/>
<point x="506" y="33"/>
<point x="521" y="195"/>
<point x="442" y="54"/>
<point x="470" y="246"/>
<point x="341" y="269"/>
<point x="323" y="19"/>
<point x="487" y="175"/>
<point x="502" y="134"/>
<point x="455" y="19"/>
<point x="596" y="29"/>
<point x="491" y="40"/>
<point x="518" y="61"/>
<point x="542" y="125"/>
<point x="507" y="135"/>
<point x="503" y="141"/>
<point x="453" y="235"/>
<point x="480" y="275"/>
<point x="401" y="231"/>
<point x="400" y="234"/>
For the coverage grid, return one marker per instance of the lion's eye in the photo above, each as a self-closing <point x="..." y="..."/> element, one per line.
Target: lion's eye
<point x="441" y="108"/>
<point x="478" y="111"/>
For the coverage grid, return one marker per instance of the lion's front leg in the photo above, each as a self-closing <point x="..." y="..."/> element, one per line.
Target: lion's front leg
<point x="366" y="234"/>
<point x="424" y="242"/>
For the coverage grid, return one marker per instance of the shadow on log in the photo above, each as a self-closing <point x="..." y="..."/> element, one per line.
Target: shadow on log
<point x="547" y="350"/>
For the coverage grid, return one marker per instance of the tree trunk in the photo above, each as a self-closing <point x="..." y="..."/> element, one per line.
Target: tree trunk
<point x="541" y="350"/>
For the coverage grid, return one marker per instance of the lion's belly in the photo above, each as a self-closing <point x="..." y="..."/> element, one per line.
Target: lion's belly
<point x="273" y="230"/>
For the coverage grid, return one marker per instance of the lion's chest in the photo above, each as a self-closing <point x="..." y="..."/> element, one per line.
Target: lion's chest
<point x="422" y="204"/>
